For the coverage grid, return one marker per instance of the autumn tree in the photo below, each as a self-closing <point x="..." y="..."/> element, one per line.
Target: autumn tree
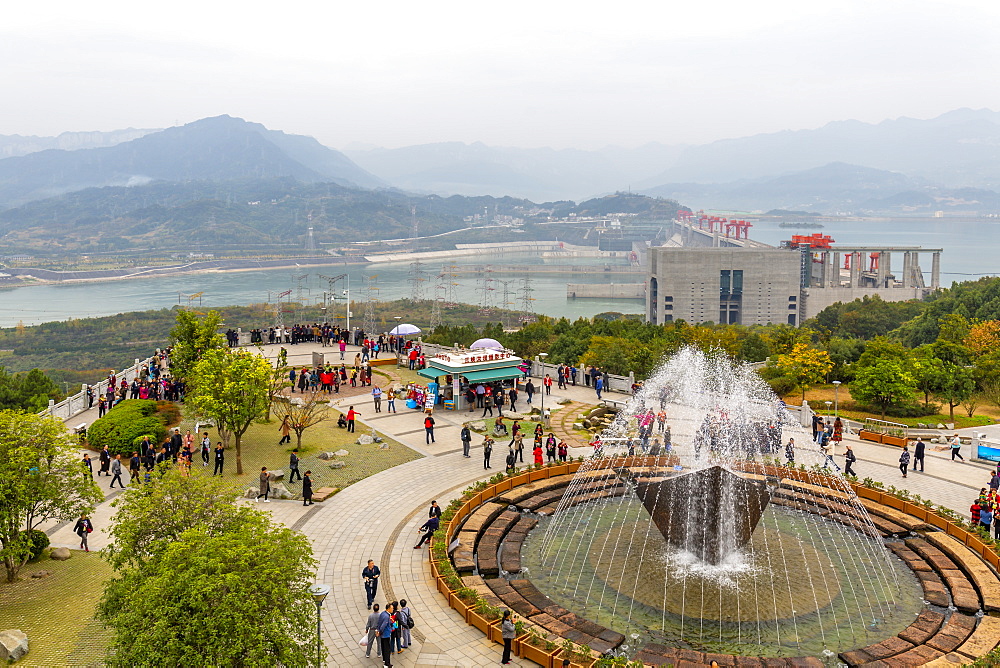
<point x="302" y="412"/>
<point x="804" y="365"/>
<point x="984" y="337"/>
<point x="230" y="386"/>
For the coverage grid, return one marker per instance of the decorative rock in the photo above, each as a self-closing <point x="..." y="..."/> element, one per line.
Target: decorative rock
<point x="337" y="464"/>
<point x="940" y="426"/>
<point x="275" y="475"/>
<point x="365" y="439"/>
<point x="60" y="553"/>
<point x="325" y="456"/>
<point x="279" y="491"/>
<point x="324" y="493"/>
<point x="13" y="644"/>
<point x="477" y="426"/>
<point x="564" y="401"/>
<point x="577" y="425"/>
<point x="41" y="574"/>
<point x="251" y="493"/>
<point x="342" y="452"/>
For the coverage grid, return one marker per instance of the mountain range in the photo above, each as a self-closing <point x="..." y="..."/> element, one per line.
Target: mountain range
<point x="902" y="166"/>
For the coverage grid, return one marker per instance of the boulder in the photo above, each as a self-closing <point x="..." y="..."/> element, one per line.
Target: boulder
<point x="60" y="553"/>
<point x="13" y="645"/>
<point x="365" y="439"/>
<point x="41" y="574"/>
<point x="275" y="475"/>
<point x="279" y="491"/>
<point x="564" y="401"/>
<point x="338" y="464"/>
<point x="477" y="426"/>
<point x="578" y="425"/>
<point x="251" y="493"/>
<point x="342" y="452"/>
<point x="325" y="456"/>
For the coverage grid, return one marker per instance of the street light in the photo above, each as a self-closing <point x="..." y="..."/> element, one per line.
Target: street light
<point x="828" y="404"/>
<point x="319" y="592"/>
<point x="540" y="358"/>
<point x="836" y="397"/>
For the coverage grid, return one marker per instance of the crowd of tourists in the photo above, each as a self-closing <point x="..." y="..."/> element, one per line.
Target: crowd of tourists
<point x="152" y="381"/>
<point x="985" y="510"/>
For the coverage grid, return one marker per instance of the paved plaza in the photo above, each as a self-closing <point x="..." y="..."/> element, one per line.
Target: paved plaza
<point x="377" y="518"/>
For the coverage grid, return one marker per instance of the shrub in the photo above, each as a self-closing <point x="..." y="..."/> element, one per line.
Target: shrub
<point x="123" y="427"/>
<point x="38" y="541"/>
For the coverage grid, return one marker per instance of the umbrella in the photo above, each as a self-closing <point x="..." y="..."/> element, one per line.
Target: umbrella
<point x="404" y="329"/>
<point x="489" y="344"/>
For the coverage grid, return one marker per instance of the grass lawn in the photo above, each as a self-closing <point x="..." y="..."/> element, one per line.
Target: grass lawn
<point x="260" y="448"/>
<point x="57" y="612"/>
<point x="819" y="394"/>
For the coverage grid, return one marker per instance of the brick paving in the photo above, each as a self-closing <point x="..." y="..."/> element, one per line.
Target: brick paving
<point x="377" y="518"/>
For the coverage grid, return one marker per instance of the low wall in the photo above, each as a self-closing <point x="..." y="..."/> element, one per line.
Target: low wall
<point x="78" y="403"/>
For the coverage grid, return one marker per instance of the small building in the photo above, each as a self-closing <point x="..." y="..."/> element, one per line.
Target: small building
<point x="451" y="369"/>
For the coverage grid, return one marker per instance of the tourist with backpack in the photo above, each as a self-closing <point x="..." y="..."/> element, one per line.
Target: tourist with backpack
<point x="405" y="623"/>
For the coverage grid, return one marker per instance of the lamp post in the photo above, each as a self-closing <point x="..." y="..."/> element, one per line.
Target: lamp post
<point x="540" y="358"/>
<point x="319" y="592"/>
<point x="836" y="397"/>
<point x="828" y="404"/>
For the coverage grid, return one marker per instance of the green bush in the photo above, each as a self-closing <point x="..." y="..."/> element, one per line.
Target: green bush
<point x="38" y="541"/>
<point x="123" y="427"/>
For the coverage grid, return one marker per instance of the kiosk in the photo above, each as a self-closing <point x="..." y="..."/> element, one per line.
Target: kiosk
<point x="455" y="370"/>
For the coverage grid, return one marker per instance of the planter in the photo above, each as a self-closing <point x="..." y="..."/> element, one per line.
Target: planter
<point x="536" y="653"/>
<point x="898" y="441"/>
<point x="479" y="621"/>
<point x="540" y="474"/>
<point x="873" y="436"/>
<point x="460" y="606"/>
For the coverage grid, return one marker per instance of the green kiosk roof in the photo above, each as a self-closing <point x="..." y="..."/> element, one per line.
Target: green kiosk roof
<point x="484" y="376"/>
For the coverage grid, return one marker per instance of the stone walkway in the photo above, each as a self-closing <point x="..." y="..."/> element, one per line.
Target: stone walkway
<point x="377" y="518"/>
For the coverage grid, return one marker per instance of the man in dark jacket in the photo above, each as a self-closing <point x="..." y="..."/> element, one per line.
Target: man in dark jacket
<point x="307" y="489"/>
<point x="370" y="575"/>
<point x="918" y="454"/>
<point x="385" y="634"/>
<point x="105" y="461"/>
<point x="428" y="527"/>
<point x="220" y="458"/>
<point x="466" y="437"/>
<point x="293" y="466"/>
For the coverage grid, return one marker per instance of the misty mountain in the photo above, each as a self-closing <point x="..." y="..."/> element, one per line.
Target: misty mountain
<point x="958" y="149"/>
<point x="834" y="188"/>
<point x="15" y="145"/>
<point x="212" y="149"/>
<point x="538" y="174"/>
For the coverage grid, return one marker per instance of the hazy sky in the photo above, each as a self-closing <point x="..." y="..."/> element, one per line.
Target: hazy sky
<point x="539" y="73"/>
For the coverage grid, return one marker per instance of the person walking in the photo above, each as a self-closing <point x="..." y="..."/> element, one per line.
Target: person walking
<point x="370" y="575"/>
<point x="307" y="489"/>
<point x="265" y="485"/>
<point x="529" y="390"/>
<point x="849" y="458"/>
<point x="293" y="466"/>
<point x="377" y="398"/>
<point x="428" y="527"/>
<point x="133" y="467"/>
<point x="83" y="528"/>
<point x="371" y="628"/>
<point x="351" y="416"/>
<point x="105" y="457"/>
<point x="286" y="431"/>
<point x="390" y="404"/>
<point x="507" y="632"/>
<point x="220" y="458"/>
<point x="511" y="460"/>
<point x="904" y="461"/>
<point x="956" y="448"/>
<point x="918" y="454"/>
<point x="116" y="471"/>
<point x="599" y="385"/>
<point x="429" y="429"/>
<point x="487" y="451"/>
<point x="405" y="623"/>
<point x="547" y="384"/>
<point x="206" y="448"/>
<point x="519" y="446"/>
<point x="538" y="452"/>
<point x="512" y="396"/>
<point x="88" y="466"/>
<point x="466" y="436"/>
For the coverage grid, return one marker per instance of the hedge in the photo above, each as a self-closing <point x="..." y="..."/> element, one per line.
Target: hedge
<point x="122" y="427"/>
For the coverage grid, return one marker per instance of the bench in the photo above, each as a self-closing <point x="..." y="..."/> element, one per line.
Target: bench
<point x="983" y="578"/>
<point x="614" y="403"/>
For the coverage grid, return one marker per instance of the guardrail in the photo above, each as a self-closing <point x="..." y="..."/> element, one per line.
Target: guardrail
<point x="78" y="403"/>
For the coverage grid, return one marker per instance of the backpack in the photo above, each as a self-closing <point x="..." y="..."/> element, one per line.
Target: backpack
<point x="407" y="619"/>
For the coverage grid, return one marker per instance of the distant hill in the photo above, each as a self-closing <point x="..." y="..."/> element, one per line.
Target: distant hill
<point x="537" y="174"/>
<point x="16" y="145"/>
<point x="958" y="149"/>
<point x="212" y="149"/>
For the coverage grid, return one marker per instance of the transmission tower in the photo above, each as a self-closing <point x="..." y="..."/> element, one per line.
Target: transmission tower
<point x="527" y="307"/>
<point x="436" y="306"/>
<point x="331" y="295"/>
<point x="371" y="300"/>
<point x="507" y="302"/>
<point x="485" y="286"/>
<point x="416" y="280"/>
<point x="310" y="241"/>
<point x="414" y="224"/>
<point x="279" y="309"/>
<point x="447" y="277"/>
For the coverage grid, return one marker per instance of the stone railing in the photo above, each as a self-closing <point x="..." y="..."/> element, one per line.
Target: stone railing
<point x="78" y="403"/>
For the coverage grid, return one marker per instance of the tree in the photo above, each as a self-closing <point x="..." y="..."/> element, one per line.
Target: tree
<point x="884" y="383"/>
<point x="40" y="479"/>
<point x="928" y="372"/>
<point x="984" y="337"/>
<point x="957" y="385"/>
<point x="230" y="386"/>
<point x="278" y="382"/>
<point x="217" y="580"/>
<point x="302" y="412"/>
<point x="804" y="365"/>
<point x="193" y="337"/>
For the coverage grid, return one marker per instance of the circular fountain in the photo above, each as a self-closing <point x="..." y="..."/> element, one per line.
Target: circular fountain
<point x="709" y="539"/>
